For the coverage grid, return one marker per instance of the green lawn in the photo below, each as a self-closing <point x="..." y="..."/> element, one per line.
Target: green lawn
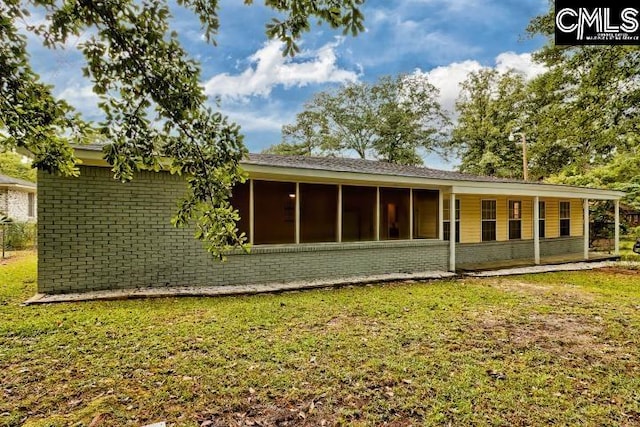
<point x="553" y="349"/>
<point x="626" y="249"/>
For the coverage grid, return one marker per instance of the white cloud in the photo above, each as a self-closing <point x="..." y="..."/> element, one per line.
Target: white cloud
<point x="448" y="78"/>
<point x="83" y="99"/>
<point x="257" y="121"/>
<point x="269" y="68"/>
<point x="522" y="63"/>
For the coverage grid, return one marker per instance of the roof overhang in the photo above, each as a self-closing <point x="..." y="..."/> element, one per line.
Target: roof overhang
<point x="92" y="157"/>
<point x="454" y="186"/>
<point x="19" y="187"/>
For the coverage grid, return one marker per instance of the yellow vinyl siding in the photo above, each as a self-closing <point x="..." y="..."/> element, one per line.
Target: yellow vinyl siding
<point x="527" y="218"/>
<point x="553" y="218"/>
<point x="502" y="216"/>
<point x="576" y="217"/>
<point x="469" y="219"/>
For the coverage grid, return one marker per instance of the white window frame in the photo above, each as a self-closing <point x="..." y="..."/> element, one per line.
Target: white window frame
<point x="482" y="220"/>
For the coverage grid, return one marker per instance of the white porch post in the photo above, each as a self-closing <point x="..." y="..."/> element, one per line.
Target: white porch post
<point x="452" y="232"/>
<point x="536" y="230"/>
<point x="377" y="216"/>
<point x="410" y="213"/>
<point x="440" y="215"/>
<point x="585" y="206"/>
<point x="297" y="212"/>
<point x="251" y="214"/>
<point x="616" y="233"/>
<point x="339" y="228"/>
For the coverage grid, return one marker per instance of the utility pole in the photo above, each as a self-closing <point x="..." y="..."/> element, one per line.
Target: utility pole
<point x="525" y="163"/>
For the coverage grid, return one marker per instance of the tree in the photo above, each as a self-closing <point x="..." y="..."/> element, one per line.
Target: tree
<point x="579" y="114"/>
<point x="621" y="173"/>
<point x="389" y="120"/>
<point x="150" y="92"/>
<point x="11" y="164"/>
<point x="593" y="113"/>
<point x="491" y="105"/>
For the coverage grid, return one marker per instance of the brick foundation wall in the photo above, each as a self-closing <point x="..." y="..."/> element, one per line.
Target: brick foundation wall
<point x="561" y="245"/>
<point x="473" y="253"/>
<point x="95" y="233"/>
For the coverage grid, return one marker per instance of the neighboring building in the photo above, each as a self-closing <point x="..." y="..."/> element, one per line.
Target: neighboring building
<point x="18" y="198"/>
<point x="631" y="215"/>
<point x="308" y="218"/>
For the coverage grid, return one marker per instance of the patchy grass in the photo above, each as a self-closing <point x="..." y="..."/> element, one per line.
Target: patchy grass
<point x="561" y="348"/>
<point x="626" y="249"/>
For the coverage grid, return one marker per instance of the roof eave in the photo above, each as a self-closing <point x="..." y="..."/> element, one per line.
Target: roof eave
<point x="12" y="186"/>
<point x="453" y="185"/>
<point x="91" y="157"/>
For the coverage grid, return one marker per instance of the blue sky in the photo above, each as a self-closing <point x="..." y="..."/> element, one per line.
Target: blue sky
<point x="443" y="40"/>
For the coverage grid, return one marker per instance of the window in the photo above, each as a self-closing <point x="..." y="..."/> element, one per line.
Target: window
<point x="394" y="214"/>
<point x="425" y="214"/>
<point x="565" y="219"/>
<point x="542" y="208"/>
<point x="318" y="213"/>
<point x="240" y="201"/>
<point x="515" y="219"/>
<point x="447" y="220"/>
<point x="32" y="204"/>
<point x="488" y="220"/>
<point x="275" y="212"/>
<point x="358" y="213"/>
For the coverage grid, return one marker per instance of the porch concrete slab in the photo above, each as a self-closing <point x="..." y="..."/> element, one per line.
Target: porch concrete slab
<point x="199" y="291"/>
<point x="548" y="260"/>
<point x="574" y="266"/>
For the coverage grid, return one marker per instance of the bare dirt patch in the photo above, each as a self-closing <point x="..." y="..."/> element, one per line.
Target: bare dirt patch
<point x="13" y="256"/>
<point x="621" y="270"/>
<point x="564" y="293"/>
<point x="559" y="334"/>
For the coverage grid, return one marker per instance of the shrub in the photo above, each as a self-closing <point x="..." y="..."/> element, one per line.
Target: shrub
<point x="634" y="232"/>
<point x="19" y="235"/>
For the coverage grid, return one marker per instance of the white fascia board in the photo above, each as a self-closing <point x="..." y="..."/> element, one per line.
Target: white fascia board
<point x="543" y="190"/>
<point x="459" y="187"/>
<point x="20" y="187"/>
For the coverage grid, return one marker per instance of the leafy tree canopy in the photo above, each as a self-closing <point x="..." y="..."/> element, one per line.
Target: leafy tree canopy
<point x="12" y="164"/>
<point x="491" y="106"/>
<point x="592" y="106"/>
<point x="149" y="90"/>
<point x="578" y="115"/>
<point x="621" y="173"/>
<point x="390" y="120"/>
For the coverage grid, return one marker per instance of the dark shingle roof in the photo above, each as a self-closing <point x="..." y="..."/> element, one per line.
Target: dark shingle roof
<point x="339" y="164"/>
<point x="8" y="180"/>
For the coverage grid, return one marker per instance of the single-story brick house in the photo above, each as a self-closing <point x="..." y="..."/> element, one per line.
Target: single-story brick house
<point x="18" y="198"/>
<point x="307" y="218"/>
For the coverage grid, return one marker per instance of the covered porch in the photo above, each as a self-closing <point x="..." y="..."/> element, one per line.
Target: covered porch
<point x="521" y="225"/>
